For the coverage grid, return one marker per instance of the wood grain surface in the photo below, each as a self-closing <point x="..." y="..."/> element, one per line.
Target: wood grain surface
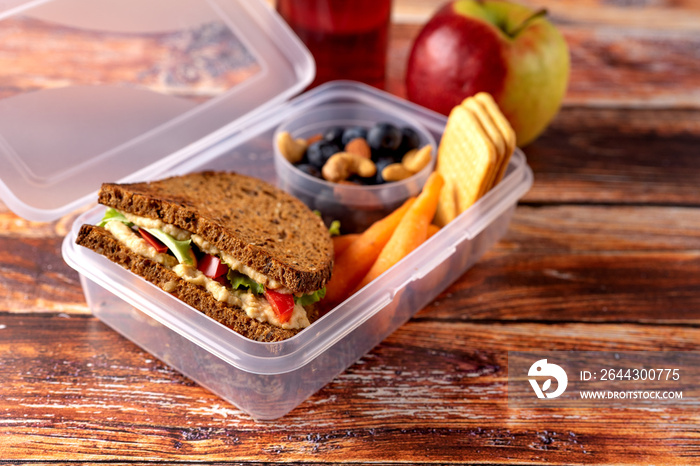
<point x="433" y="391"/>
<point x="602" y="254"/>
<point x="196" y="63"/>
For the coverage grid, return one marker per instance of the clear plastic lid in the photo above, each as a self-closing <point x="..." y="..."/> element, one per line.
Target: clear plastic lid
<point x="117" y="90"/>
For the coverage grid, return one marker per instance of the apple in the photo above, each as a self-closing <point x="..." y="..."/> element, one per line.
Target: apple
<point x="510" y="51"/>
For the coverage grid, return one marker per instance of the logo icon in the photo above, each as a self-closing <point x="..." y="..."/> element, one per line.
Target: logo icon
<point x="544" y="369"/>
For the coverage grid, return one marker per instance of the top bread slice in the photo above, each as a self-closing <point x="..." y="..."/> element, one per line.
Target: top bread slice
<point x="262" y="226"/>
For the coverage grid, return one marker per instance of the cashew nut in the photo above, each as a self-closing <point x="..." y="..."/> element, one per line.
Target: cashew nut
<point x="292" y="149"/>
<point x="417" y="159"/>
<point x="360" y="147"/>
<point x="395" y="172"/>
<point x="343" y="164"/>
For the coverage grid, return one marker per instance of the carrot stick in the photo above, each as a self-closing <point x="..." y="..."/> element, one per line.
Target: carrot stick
<point x="411" y="232"/>
<point x="356" y="260"/>
<point x="341" y="243"/>
<point x="432" y="229"/>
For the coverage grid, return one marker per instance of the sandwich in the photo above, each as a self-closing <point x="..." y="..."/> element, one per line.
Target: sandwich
<point x="235" y="248"/>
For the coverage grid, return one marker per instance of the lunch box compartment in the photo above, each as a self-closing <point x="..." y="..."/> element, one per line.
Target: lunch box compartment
<point x="267" y="380"/>
<point x="358" y="206"/>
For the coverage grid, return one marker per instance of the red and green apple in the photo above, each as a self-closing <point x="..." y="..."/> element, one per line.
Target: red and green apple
<point x="508" y="50"/>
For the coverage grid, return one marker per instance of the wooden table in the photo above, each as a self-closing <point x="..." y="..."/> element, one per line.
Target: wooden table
<point x="602" y="254"/>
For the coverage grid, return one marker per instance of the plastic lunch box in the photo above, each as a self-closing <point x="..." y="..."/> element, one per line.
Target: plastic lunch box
<point x="138" y="128"/>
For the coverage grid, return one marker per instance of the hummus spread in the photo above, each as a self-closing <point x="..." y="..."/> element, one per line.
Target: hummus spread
<point x="138" y="245"/>
<point x="184" y="235"/>
<point x="145" y="222"/>
<point x="255" y="306"/>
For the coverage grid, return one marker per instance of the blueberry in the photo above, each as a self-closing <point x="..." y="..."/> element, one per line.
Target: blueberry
<point x="319" y="152"/>
<point x="309" y="169"/>
<point x="409" y="139"/>
<point x="334" y="135"/>
<point x="395" y="155"/>
<point x="384" y="137"/>
<point x="353" y="133"/>
<point x="369" y="181"/>
<point x="381" y="164"/>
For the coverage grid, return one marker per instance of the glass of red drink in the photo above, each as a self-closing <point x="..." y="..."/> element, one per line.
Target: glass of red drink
<point x="348" y="38"/>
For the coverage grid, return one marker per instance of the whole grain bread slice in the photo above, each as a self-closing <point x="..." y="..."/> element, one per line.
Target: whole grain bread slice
<point x="258" y="224"/>
<point x="101" y="241"/>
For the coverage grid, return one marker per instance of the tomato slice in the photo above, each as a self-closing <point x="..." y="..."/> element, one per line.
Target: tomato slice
<point x="282" y="304"/>
<point x="222" y="280"/>
<point x="211" y="266"/>
<point x="153" y="241"/>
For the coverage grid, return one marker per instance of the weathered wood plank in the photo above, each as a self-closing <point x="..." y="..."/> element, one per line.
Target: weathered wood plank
<point x="13" y="226"/>
<point x="34" y="277"/>
<point x="197" y="62"/>
<point x="556" y="263"/>
<point x="649" y="287"/>
<point x="650" y="14"/>
<point x="631" y="122"/>
<point x="609" y="66"/>
<point x="643" y="55"/>
<point x="433" y="392"/>
<point x="638" y="68"/>
<point x="601" y="230"/>
<point x="672" y="15"/>
<point x="595" y="263"/>
<point x="608" y="234"/>
<point x="584" y="157"/>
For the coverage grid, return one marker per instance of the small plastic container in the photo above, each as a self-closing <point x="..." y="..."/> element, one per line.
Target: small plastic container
<point x="59" y="142"/>
<point x="357" y="206"/>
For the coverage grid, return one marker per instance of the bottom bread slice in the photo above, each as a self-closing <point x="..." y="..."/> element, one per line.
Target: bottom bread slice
<point x="101" y="241"/>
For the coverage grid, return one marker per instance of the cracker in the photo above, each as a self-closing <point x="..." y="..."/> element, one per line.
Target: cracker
<point x="466" y="160"/>
<point x="493" y="133"/>
<point x="503" y="125"/>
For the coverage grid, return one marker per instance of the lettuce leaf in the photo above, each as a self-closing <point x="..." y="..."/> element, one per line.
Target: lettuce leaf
<point x="113" y="214"/>
<point x="238" y="280"/>
<point x="334" y="229"/>
<point x="310" y="298"/>
<point x="181" y="249"/>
